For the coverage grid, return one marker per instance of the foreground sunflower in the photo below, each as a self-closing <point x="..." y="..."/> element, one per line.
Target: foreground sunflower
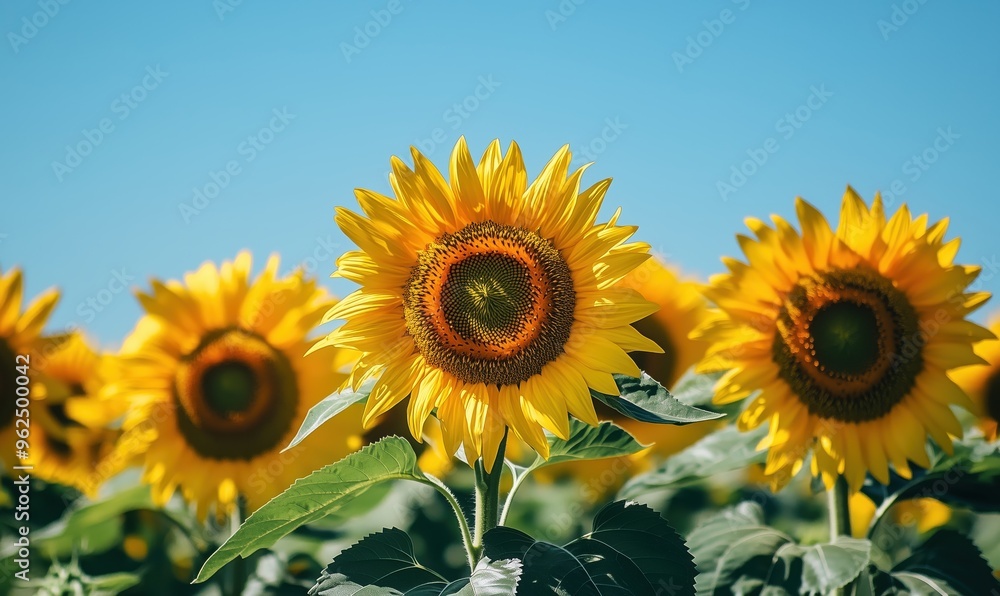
<point x="848" y="336"/>
<point x="982" y="383"/>
<point x="215" y="386"/>
<point x="71" y="434"/>
<point x="489" y="299"/>
<point x="19" y="335"/>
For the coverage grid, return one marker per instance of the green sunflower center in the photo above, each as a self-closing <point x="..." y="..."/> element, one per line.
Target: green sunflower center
<point x="236" y="395"/>
<point x="8" y="384"/>
<point x="993" y="396"/>
<point x="848" y="344"/>
<point x="229" y="388"/>
<point x="491" y="303"/>
<point x="846" y="337"/>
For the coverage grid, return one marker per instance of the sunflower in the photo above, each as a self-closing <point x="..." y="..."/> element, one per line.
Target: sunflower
<point x="682" y="309"/>
<point x="982" y="383"/>
<point x="19" y="336"/>
<point x="848" y="335"/>
<point x="489" y="299"/>
<point x="216" y="386"/>
<point x="926" y="514"/>
<point x="71" y="435"/>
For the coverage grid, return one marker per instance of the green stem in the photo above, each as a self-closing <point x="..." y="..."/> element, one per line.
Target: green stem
<point x="840" y="511"/>
<point x="518" y="481"/>
<point x="488" y="496"/>
<point x="239" y="566"/>
<point x="840" y="514"/>
<point x="463" y="523"/>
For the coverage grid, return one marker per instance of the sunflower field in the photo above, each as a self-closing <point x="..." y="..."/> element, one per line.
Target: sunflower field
<point x="501" y="375"/>
<point x="764" y="361"/>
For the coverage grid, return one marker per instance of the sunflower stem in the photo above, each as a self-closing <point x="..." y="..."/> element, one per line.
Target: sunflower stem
<point x="488" y="496"/>
<point x="840" y="513"/>
<point x="463" y="523"/>
<point x="239" y="566"/>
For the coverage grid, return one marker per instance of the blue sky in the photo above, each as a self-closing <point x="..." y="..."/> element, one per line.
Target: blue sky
<point x="288" y="107"/>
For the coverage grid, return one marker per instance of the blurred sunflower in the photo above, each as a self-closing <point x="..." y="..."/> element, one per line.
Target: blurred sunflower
<point x="216" y="386"/>
<point x="926" y="514"/>
<point x="71" y="435"/>
<point x="848" y="335"/>
<point x="489" y="299"/>
<point x="982" y="383"/>
<point x="682" y="309"/>
<point x="19" y="334"/>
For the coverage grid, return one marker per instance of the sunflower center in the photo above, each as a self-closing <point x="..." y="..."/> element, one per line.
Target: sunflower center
<point x="236" y="395"/>
<point x="993" y="396"/>
<point x="491" y="303"/>
<point x="846" y="337"/>
<point x="229" y="388"/>
<point x="8" y="384"/>
<point x="848" y="344"/>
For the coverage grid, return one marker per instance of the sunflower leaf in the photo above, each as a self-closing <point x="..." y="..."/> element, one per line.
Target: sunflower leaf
<point x="644" y="399"/>
<point x="631" y="550"/>
<point x="491" y="578"/>
<point x="605" y="440"/>
<point x="947" y="563"/>
<point x="384" y="560"/>
<point x="723" y="451"/>
<point x="329" y="407"/>
<point x="695" y="389"/>
<point x="319" y="494"/>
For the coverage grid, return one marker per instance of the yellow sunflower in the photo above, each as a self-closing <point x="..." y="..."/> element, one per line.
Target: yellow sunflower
<point x="982" y="383"/>
<point x="216" y="386"/>
<point x="19" y="336"/>
<point x="926" y="514"/>
<point x="489" y="299"/>
<point x="70" y="432"/>
<point x="682" y="309"/>
<point x="848" y="335"/>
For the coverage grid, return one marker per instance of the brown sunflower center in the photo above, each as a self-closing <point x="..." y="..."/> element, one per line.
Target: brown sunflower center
<point x="490" y="303"/>
<point x="236" y="395"/>
<point x="8" y="384"/>
<point x="848" y="344"/>
<point x="992" y="401"/>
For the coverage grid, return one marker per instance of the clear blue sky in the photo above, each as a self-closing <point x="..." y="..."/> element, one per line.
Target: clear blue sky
<point x="683" y="90"/>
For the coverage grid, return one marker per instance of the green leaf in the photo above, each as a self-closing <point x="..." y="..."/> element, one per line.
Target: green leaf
<point x="322" y="493"/>
<point x="947" y="563"/>
<point x="113" y="583"/>
<point x="734" y="547"/>
<point x="328" y="408"/>
<point x="694" y="389"/>
<point x="631" y="550"/>
<point x="607" y="439"/>
<point x="826" y="567"/>
<point x="546" y="567"/>
<point x="383" y="559"/>
<point x="338" y="585"/>
<point x="644" y="399"/>
<point x="723" y="451"/>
